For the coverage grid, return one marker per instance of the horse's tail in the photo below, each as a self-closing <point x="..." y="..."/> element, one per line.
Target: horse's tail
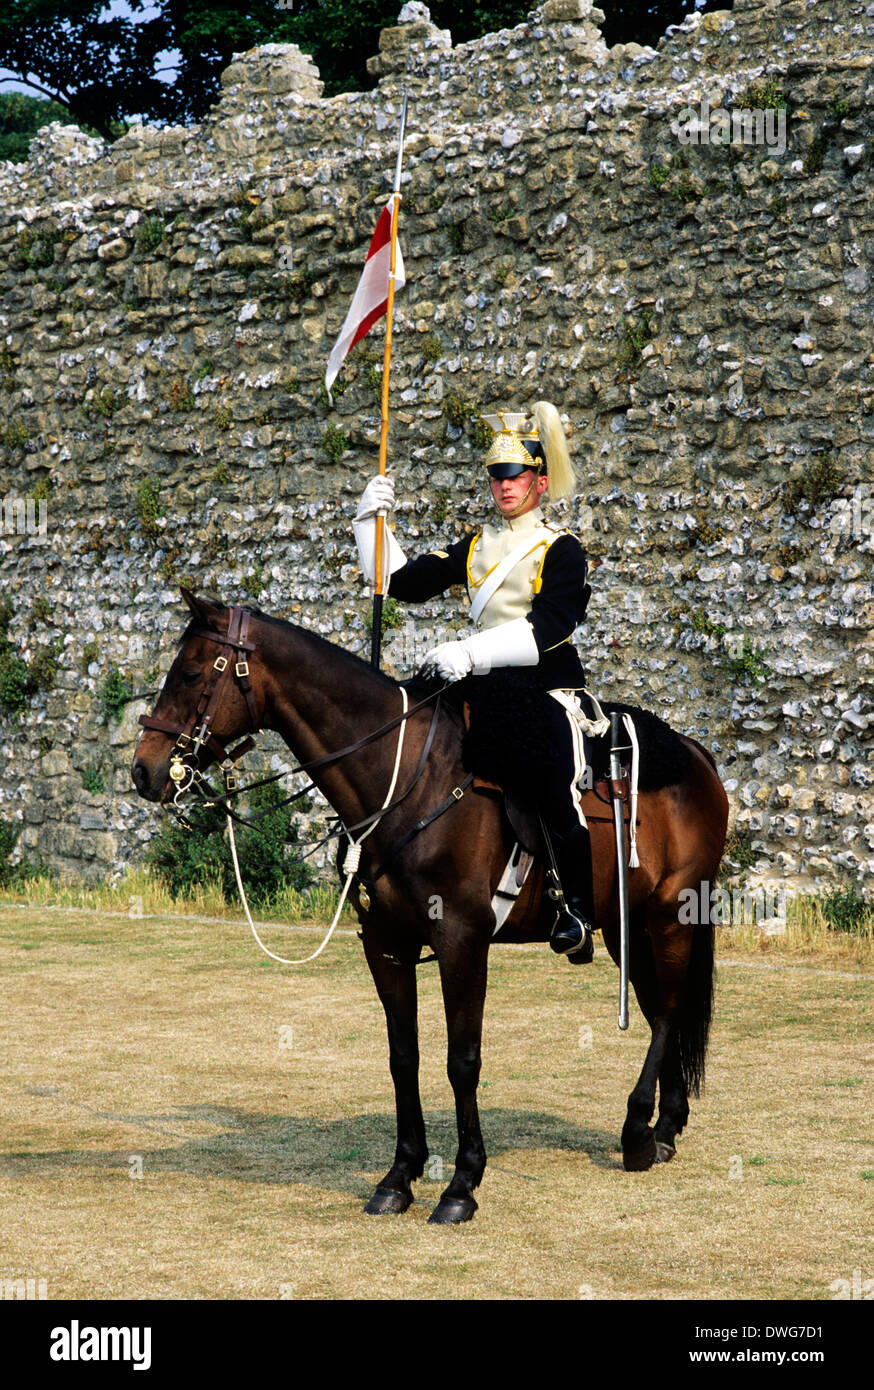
<point x="693" y="1024"/>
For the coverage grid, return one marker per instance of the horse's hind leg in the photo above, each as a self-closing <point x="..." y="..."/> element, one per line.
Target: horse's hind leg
<point x="672" y="972"/>
<point x="463" y="971"/>
<point x="396" y="986"/>
<point x="641" y="1146"/>
<point x="673" y="1102"/>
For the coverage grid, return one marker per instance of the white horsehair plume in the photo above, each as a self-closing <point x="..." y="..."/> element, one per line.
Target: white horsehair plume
<point x="550" y="432"/>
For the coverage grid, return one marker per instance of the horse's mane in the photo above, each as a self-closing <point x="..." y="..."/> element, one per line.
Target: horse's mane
<point x="356" y="662"/>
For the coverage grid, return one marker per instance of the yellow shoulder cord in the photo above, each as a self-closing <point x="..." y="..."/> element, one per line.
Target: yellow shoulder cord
<point x="475" y="583"/>
<point x="538" y="578"/>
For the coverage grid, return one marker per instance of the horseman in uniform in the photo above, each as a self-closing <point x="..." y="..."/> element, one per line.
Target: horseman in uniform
<point x="526" y="581"/>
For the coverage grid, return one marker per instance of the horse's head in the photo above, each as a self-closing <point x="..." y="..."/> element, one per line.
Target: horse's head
<point x="206" y="702"/>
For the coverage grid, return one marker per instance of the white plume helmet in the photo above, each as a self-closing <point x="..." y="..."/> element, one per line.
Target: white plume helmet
<point x="545" y="425"/>
<point x="550" y="434"/>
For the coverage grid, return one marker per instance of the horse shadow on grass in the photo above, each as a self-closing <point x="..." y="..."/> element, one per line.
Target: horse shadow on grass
<point x="343" y="1155"/>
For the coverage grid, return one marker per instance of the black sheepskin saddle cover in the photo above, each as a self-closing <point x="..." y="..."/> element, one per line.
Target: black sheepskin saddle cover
<point x="511" y="739"/>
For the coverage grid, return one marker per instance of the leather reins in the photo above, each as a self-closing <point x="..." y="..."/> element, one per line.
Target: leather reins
<point x="197" y="733"/>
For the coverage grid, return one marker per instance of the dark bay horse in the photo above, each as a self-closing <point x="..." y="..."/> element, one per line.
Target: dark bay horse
<point x="321" y="699"/>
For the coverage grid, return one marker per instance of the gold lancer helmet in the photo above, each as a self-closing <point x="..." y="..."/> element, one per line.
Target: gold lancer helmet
<point x="535" y="441"/>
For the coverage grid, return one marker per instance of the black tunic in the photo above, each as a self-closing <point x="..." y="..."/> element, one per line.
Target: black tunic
<point x="555" y="611"/>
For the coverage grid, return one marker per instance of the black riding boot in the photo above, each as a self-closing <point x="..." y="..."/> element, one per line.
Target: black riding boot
<point x="572" y="933"/>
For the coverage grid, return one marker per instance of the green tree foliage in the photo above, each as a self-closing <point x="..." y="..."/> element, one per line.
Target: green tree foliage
<point x="99" y="68"/>
<point x="20" y="118"/>
<point x="185" y="859"/>
<point x="163" y="60"/>
<point x="645" y="21"/>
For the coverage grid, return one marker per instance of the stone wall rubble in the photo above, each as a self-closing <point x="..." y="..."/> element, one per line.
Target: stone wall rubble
<point x="702" y="314"/>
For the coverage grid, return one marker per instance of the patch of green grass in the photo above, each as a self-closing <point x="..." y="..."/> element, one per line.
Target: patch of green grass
<point x="819" y="484"/>
<point x="739" y="849"/>
<point x="637" y="334"/>
<point x="93" y="779"/>
<point x="764" y="96"/>
<point x="149" y="234"/>
<point x="7" y="361"/>
<point x="180" y="395"/>
<point x="115" y="692"/>
<point x="439" y="505"/>
<point x="43" y="668"/>
<point x="845" y="909"/>
<point x="14" y="435"/>
<point x="90" y="651"/>
<point x="391" y="617"/>
<point x="297" y="286"/>
<point x="747" y="666"/>
<point x="789" y="554"/>
<point x="149" y="508"/>
<point x="108" y="401"/>
<point x="35" y="246"/>
<point x="334" y="442"/>
<point x="455" y="232"/>
<point x="14" y="686"/>
<point x="813" y="159"/>
<point x="431" y="348"/>
<point x="42" y="610"/>
<point x="700" y="622"/>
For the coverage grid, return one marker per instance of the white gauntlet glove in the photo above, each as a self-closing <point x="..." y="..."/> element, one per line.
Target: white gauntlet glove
<point x="378" y="497"/>
<point x="508" y="644"/>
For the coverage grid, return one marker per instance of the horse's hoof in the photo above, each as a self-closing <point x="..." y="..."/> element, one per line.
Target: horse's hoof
<point x="450" y="1211"/>
<point x="664" y="1152"/>
<point x="640" y="1159"/>
<point x="386" y="1202"/>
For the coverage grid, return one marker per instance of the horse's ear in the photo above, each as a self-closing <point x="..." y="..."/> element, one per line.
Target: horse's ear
<point x="195" y="604"/>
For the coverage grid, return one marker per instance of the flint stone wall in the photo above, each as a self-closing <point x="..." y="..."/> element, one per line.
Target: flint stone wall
<point x="702" y="314"/>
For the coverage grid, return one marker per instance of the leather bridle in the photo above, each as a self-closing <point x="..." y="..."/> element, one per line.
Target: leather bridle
<point x="198" y="731"/>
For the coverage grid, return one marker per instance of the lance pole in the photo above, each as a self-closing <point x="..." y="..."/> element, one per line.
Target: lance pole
<point x="376" y="630"/>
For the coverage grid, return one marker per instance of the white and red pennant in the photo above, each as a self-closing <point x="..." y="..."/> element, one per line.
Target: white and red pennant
<point x="370" y="301"/>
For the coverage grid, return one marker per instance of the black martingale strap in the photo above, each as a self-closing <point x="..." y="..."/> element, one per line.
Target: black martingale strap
<point x="454" y="796"/>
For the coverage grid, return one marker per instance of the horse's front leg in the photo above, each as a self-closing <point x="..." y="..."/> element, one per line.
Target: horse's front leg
<point x="463" y="971"/>
<point x="396" y="986"/>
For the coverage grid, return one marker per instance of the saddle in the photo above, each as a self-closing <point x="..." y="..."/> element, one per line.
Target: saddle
<point x="524" y="820"/>
<point x="526" y="826"/>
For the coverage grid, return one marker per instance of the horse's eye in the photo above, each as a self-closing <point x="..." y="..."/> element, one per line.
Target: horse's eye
<point x="189" y="677"/>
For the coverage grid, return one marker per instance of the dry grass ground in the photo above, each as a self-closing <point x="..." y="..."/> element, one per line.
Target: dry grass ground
<point x="256" y="1102"/>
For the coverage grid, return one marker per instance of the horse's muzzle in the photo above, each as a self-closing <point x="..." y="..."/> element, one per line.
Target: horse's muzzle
<point x="148" y="786"/>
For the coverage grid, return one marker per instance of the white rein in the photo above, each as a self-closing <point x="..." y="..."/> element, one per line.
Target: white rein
<point x="350" y="863"/>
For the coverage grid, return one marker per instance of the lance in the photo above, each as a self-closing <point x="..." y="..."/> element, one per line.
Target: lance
<point x="376" y="629"/>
